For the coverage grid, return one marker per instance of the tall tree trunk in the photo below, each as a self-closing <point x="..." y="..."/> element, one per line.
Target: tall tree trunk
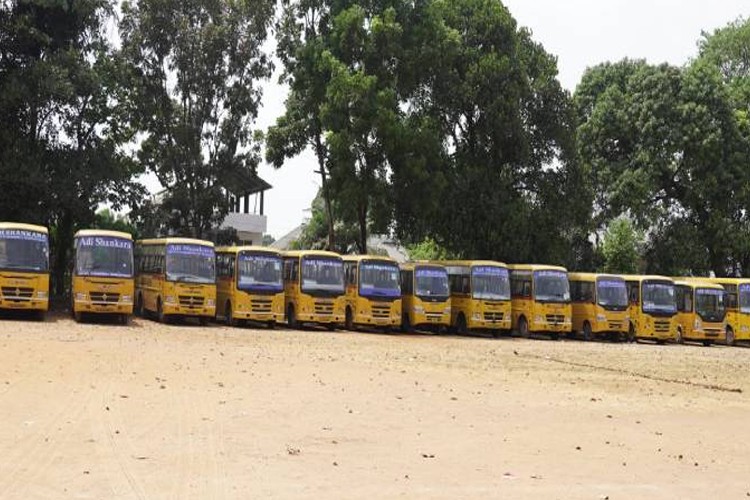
<point x="63" y="243"/>
<point x="362" y="219"/>
<point x="320" y="153"/>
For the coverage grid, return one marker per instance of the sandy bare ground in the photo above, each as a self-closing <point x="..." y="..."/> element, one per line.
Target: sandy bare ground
<point x="152" y="411"/>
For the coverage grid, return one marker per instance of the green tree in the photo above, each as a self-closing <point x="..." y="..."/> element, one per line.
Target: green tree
<point x="663" y="144"/>
<point x="428" y="249"/>
<point x="107" y="219"/>
<point x="61" y="132"/>
<point x="621" y="247"/>
<point x="195" y="68"/>
<point x="495" y="130"/>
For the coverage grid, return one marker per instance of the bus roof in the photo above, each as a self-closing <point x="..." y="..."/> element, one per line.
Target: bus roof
<point x="721" y="281"/>
<point x="359" y="258"/>
<point x="536" y="267"/>
<point x="697" y="284"/>
<point x="644" y="277"/>
<point x="177" y="241"/>
<point x="247" y="248"/>
<point x="470" y="263"/>
<point x="24" y="227"/>
<point x="308" y="253"/>
<point x="593" y="276"/>
<point x="103" y="232"/>
<point x="413" y="264"/>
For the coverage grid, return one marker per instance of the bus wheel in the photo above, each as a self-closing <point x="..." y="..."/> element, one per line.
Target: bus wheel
<point x="349" y="321"/>
<point x="523" y="327"/>
<point x="631" y="334"/>
<point x="228" y="318"/>
<point x="139" y="306"/>
<point x="730" y="336"/>
<point x="461" y="325"/>
<point x="405" y="324"/>
<point x="290" y="318"/>
<point x="586" y="331"/>
<point x="160" y="312"/>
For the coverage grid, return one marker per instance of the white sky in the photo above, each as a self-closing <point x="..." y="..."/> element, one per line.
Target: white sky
<point x="581" y="33"/>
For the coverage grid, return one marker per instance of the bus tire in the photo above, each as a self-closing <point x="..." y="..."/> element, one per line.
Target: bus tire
<point x="523" y="327"/>
<point x="349" y="321"/>
<point x="405" y="324"/>
<point x="631" y="334"/>
<point x="461" y="328"/>
<point x="228" y="318"/>
<point x="160" y="316"/>
<point x="730" y="336"/>
<point x="679" y="339"/>
<point x="139" y="305"/>
<point x="586" y="331"/>
<point x="291" y="319"/>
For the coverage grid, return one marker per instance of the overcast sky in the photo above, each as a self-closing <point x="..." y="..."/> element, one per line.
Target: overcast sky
<point x="581" y="33"/>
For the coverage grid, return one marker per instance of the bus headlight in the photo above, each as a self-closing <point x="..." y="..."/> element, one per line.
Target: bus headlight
<point x="477" y="317"/>
<point x="170" y="299"/>
<point x="127" y="299"/>
<point x="538" y="319"/>
<point x="601" y="317"/>
<point x="447" y="310"/>
<point x="418" y="309"/>
<point x="81" y="296"/>
<point x="697" y="325"/>
<point x="41" y="295"/>
<point x="211" y="303"/>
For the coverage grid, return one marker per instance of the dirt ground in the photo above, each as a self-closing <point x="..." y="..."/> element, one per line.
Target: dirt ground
<point x="152" y="411"/>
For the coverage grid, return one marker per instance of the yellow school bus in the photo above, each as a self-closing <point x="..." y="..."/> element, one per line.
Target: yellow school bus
<point x="176" y="278"/>
<point x="102" y="279"/>
<point x="540" y="300"/>
<point x="249" y="285"/>
<point x="480" y="296"/>
<point x="737" y="305"/>
<point x="652" y="308"/>
<point x="373" y="292"/>
<point x="425" y="297"/>
<point x="314" y="288"/>
<point x="701" y="311"/>
<point x="599" y="303"/>
<point x="24" y="267"/>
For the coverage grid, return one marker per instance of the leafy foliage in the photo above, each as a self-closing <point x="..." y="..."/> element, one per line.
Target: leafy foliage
<point x="194" y="68"/>
<point x="620" y="247"/>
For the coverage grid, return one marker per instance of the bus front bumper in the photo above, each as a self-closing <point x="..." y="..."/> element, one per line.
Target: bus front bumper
<point x="363" y="319"/>
<point x="565" y="327"/>
<point x="323" y="319"/>
<point x="491" y="325"/>
<point x="24" y="304"/>
<point x="179" y="310"/>
<point x="88" y="306"/>
<point x="256" y="316"/>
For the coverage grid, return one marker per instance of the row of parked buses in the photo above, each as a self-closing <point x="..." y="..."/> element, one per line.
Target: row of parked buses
<point x="175" y="278"/>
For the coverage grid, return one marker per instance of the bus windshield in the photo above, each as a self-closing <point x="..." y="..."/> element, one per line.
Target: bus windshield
<point x="745" y="298"/>
<point x="191" y="263"/>
<point x="490" y="283"/>
<point x="710" y="304"/>
<point x="431" y="282"/>
<point x="379" y="279"/>
<point x="551" y="286"/>
<point x="323" y="274"/>
<point x="612" y="294"/>
<point x="22" y="250"/>
<point x="104" y="256"/>
<point x="259" y="272"/>
<point x="659" y="297"/>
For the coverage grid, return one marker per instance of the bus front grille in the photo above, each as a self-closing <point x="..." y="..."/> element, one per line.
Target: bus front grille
<point x="17" y="294"/>
<point x="435" y="317"/>
<point x="555" y="318"/>
<point x="104" y="298"/>
<point x="713" y="332"/>
<point x="615" y="325"/>
<point x="323" y="307"/>
<point x="381" y="311"/>
<point x="661" y="325"/>
<point x="191" y="301"/>
<point x="493" y="316"/>
<point x="261" y="306"/>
